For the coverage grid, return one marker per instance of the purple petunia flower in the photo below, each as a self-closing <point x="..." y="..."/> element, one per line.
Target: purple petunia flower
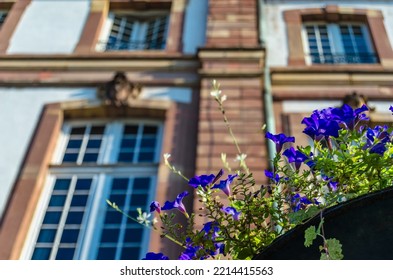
<point x="155" y="206"/>
<point x="299" y="202"/>
<point x="295" y="156"/>
<point x="379" y="132"/>
<point x="224" y="184"/>
<point x="320" y="125"/>
<point x="177" y="203"/>
<point x="211" y="227"/>
<point x="155" y="256"/>
<point x="279" y="140"/>
<point x="232" y="211"/>
<point x="331" y="184"/>
<point x="189" y="253"/>
<point x="203" y="181"/>
<point x="391" y="109"/>
<point x="379" y="148"/>
<point x="276" y="178"/>
<point x="349" y="117"/>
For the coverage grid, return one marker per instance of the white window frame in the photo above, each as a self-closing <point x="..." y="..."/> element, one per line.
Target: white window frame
<point x="101" y="173"/>
<point x="139" y="31"/>
<point x="335" y="38"/>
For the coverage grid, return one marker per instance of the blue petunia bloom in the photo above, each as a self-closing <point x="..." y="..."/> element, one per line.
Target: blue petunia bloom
<point x="203" y="181"/>
<point x="391" y="109"/>
<point x="379" y="148"/>
<point x="189" y="253"/>
<point x="211" y="227"/>
<point x="295" y="156"/>
<point x="279" y="139"/>
<point x="331" y="184"/>
<point x="224" y="184"/>
<point x="155" y="256"/>
<point x="176" y="204"/>
<point x="299" y="202"/>
<point x="276" y="178"/>
<point x="349" y="117"/>
<point x="232" y="211"/>
<point x="155" y="206"/>
<point x="321" y="124"/>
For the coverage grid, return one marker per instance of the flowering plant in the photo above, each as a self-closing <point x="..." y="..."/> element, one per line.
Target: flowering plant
<point x="347" y="159"/>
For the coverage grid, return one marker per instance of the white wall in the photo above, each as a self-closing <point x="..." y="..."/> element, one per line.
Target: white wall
<point x="20" y="110"/>
<point x="50" y="27"/>
<point x="194" y="32"/>
<point x="276" y="37"/>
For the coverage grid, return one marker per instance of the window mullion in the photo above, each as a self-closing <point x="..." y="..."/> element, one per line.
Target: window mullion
<point x="83" y="147"/>
<point x="60" y="228"/>
<point x="122" y="232"/>
<point x="319" y="43"/>
<point x="138" y="143"/>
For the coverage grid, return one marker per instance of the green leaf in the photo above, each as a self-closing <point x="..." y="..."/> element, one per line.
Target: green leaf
<point x="244" y="254"/>
<point x="324" y="256"/>
<point x="335" y="249"/>
<point x="309" y="235"/>
<point x="303" y="214"/>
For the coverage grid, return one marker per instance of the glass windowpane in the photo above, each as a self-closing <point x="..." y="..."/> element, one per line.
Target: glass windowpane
<point x="46" y="236"/>
<point x="70" y="236"/>
<point x="65" y="254"/>
<point x="41" y="254"/>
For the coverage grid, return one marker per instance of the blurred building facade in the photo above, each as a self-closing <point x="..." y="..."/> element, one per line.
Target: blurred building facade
<point x="93" y="92"/>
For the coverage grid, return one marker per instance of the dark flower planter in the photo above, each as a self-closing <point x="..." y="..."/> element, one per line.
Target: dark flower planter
<point x="364" y="226"/>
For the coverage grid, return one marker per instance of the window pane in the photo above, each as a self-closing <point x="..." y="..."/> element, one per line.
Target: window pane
<point x="146" y="157"/>
<point x="126" y="157"/>
<point x="83" y="184"/>
<point x="130" y="129"/>
<point x="47" y="236"/>
<point x="128" y="143"/>
<point x="57" y="200"/>
<point x="52" y="218"/>
<point x="74" y="218"/>
<point x="94" y="143"/>
<point x="78" y="130"/>
<point x="90" y="157"/>
<point x="97" y="130"/>
<point x="110" y="235"/>
<point x="139" y="200"/>
<point x="113" y="217"/>
<point x="79" y="200"/>
<point x="131" y="253"/>
<point x="70" y="157"/>
<point x="119" y="199"/>
<point x="150" y="130"/>
<point x="74" y="144"/>
<point x="148" y="142"/>
<point x="41" y="254"/>
<point x="62" y="184"/>
<point x="133" y="235"/>
<point x="120" y="184"/>
<point x="70" y="236"/>
<point x="105" y="253"/>
<point x="65" y="254"/>
<point x="141" y="183"/>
